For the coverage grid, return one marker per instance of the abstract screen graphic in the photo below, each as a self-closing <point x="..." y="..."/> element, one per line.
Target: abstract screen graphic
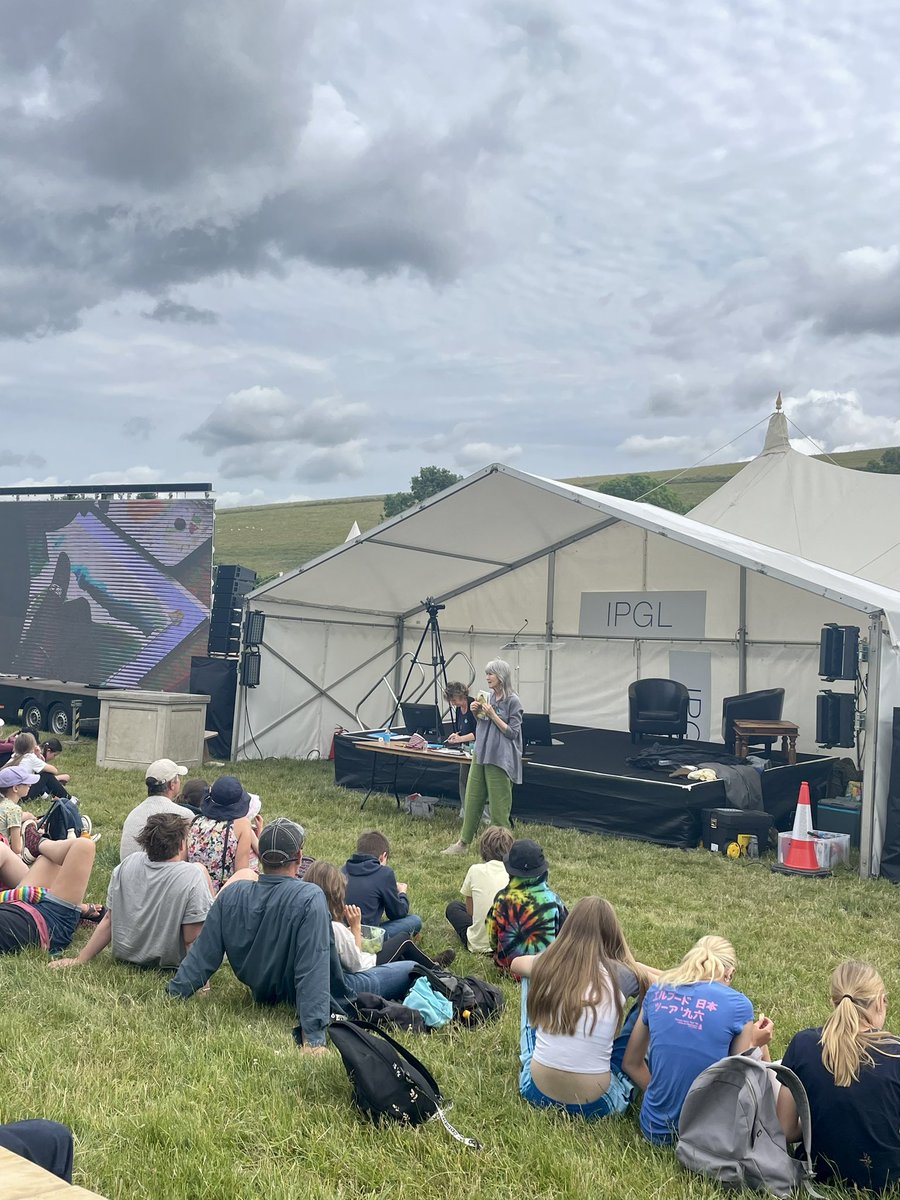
<point x="112" y="593"/>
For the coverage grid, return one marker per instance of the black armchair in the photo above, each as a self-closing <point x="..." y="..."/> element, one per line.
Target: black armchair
<point x="764" y="705"/>
<point x="657" y="706"/>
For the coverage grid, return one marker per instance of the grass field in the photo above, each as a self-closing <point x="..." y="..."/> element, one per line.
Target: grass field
<point x="272" y="538"/>
<point x="208" y="1099"/>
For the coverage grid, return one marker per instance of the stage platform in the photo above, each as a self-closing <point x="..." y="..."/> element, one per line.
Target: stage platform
<point x="584" y="782"/>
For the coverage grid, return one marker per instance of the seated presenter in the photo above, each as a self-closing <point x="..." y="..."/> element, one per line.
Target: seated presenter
<point x="497" y="757"/>
<point x="463" y="734"/>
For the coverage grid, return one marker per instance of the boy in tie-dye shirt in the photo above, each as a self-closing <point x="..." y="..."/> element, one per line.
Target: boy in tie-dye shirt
<point x="527" y="914"/>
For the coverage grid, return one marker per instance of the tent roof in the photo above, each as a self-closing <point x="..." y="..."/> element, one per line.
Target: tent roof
<point x="817" y="510"/>
<point x="499" y="519"/>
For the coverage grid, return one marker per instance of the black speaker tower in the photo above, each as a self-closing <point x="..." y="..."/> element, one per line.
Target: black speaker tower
<point x="230" y="585"/>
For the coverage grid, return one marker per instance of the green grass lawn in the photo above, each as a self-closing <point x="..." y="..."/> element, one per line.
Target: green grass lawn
<point x="280" y="537"/>
<point x="208" y="1099"/>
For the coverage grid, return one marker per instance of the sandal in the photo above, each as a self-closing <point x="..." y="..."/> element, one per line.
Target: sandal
<point x="93" y="914"/>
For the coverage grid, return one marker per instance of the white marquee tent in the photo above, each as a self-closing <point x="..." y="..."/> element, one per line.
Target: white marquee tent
<point x="814" y="509"/>
<point x="611" y="591"/>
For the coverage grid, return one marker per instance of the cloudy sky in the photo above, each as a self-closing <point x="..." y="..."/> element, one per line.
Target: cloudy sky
<point x="303" y="248"/>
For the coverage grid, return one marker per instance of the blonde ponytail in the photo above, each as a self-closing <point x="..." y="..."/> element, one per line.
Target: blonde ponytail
<point x="848" y="1037"/>
<point x="710" y="959"/>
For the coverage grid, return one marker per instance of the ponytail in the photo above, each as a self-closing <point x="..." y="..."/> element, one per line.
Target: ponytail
<point x="848" y="1037"/>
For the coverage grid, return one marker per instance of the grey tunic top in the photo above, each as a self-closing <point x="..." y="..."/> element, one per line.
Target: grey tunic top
<point x="496" y="749"/>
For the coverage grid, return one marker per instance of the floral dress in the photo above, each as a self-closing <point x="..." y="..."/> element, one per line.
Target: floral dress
<point x="214" y="844"/>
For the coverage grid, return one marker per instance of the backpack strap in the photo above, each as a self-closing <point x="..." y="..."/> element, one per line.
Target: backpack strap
<point x="222" y="864"/>
<point x="412" y="1061"/>
<point x="789" y="1079"/>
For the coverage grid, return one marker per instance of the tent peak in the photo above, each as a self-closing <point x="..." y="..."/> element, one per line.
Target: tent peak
<point x="777" y="438"/>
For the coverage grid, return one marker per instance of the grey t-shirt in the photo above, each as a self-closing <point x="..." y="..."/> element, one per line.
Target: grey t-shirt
<point x="136" y="820"/>
<point x="149" y="903"/>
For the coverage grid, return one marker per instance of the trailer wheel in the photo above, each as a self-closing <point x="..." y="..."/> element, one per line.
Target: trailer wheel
<point x="32" y="716"/>
<point x="59" y="721"/>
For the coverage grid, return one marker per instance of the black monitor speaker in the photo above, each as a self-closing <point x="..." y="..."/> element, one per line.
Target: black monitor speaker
<point x="839" y="652"/>
<point x="836" y="719"/>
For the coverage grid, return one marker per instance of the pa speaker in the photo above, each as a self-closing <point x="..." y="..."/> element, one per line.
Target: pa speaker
<point x="250" y="660"/>
<point x="836" y="719"/>
<point x="254" y="628"/>
<point x="838" y="652"/>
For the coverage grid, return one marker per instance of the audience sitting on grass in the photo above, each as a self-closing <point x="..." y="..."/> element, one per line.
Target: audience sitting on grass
<point x="850" y="1069"/>
<point x="372" y="886"/>
<point x="221" y="838"/>
<point x="368" y="970"/>
<point x="482" y="883"/>
<point x="43" y="905"/>
<point x="163" y="779"/>
<point x="192" y="794"/>
<point x="15" y="784"/>
<point x="52" y="782"/>
<point x="156" y="903"/>
<point x="277" y="935"/>
<point x="526" y="915"/>
<point x="690" y="1018"/>
<point x="573" y="1027"/>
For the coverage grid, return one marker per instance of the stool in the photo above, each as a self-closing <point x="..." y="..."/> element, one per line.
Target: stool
<point x="749" y="731"/>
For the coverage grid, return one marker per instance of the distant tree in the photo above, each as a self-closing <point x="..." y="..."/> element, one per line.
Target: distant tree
<point x="428" y="482"/>
<point x="888" y="464"/>
<point x="642" y="487"/>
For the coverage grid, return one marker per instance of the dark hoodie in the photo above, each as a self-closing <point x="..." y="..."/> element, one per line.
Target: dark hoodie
<point x="373" y="888"/>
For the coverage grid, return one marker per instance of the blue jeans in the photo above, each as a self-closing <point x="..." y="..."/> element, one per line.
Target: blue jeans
<point x="390" y="980"/>
<point x="62" y="920"/>
<point x="616" y="1097"/>
<point x="409" y="926"/>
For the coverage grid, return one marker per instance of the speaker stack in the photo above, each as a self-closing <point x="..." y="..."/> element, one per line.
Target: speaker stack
<point x="836" y="711"/>
<point x="230" y="585"/>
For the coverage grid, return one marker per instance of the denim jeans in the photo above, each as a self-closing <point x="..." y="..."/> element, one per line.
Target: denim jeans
<point x="391" y="980"/>
<point x="62" y="920"/>
<point x="616" y="1097"/>
<point x="409" y="926"/>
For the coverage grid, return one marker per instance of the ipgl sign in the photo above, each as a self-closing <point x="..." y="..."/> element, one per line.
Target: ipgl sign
<point x="658" y="615"/>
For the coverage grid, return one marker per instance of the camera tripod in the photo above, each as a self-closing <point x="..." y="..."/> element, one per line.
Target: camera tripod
<point x="432" y="634"/>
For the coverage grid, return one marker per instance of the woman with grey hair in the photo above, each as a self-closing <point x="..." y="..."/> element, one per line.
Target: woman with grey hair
<point x="497" y="756"/>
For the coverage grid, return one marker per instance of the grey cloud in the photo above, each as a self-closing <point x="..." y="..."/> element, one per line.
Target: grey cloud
<point x="186" y="314"/>
<point x="857" y="292"/>
<point x="260" y="415"/>
<point x="177" y="140"/>
<point x="139" y="428"/>
<point x="338" y="462"/>
<point x="12" y="459"/>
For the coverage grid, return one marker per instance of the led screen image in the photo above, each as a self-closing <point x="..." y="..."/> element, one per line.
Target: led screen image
<point x="111" y="593"/>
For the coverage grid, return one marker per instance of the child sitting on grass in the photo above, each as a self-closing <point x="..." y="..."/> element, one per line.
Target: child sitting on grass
<point x="482" y="883"/>
<point x="526" y="915"/>
<point x="372" y="886"/>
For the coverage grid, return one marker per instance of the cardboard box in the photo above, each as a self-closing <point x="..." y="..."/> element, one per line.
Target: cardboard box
<point x="832" y="849"/>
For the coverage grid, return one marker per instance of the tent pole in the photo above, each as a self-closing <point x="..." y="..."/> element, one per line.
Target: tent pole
<point x="398" y="677"/>
<point x="548" y="630"/>
<point x="873" y="683"/>
<point x="742" y="631"/>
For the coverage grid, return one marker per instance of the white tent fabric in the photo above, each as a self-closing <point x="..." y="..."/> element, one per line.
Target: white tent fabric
<point x="503" y="548"/>
<point x="817" y="510"/>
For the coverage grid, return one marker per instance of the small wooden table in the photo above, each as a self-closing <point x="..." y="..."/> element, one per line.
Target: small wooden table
<point x="746" y="732"/>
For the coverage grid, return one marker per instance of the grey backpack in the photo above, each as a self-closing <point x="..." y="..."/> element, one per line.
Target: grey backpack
<point x="730" y="1132"/>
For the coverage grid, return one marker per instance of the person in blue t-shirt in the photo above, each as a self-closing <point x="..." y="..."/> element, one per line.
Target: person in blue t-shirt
<point x="690" y="1018"/>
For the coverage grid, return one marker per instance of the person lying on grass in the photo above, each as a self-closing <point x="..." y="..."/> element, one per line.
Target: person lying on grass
<point x="690" y="1018"/>
<point x="573" y="1028"/>
<point x="276" y="932"/>
<point x="387" y="973"/>
<point x="156" y="903"/>
<point x="851" y="1071"/>
<point x="44" y="904"/>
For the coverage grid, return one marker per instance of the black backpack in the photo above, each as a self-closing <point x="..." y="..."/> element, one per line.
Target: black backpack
<point x="384" y="1013"/>
<point x="60" y="817"/>
<point x="389" y="1083"/>
<point x="474" y="1000"/>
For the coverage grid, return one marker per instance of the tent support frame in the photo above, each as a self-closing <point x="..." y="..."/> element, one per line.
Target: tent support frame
<point x="867" y="865"/>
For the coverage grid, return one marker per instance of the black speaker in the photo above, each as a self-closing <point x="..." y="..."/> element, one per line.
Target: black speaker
<point x="217" y="678"/>
<point x="839" y="652"/>
<point x="250" y="660"/>
<point x="227" y="576"/>
<point x="230" y="585"/>
<point x="254" y="628"/>
<point x="835" y="719"/>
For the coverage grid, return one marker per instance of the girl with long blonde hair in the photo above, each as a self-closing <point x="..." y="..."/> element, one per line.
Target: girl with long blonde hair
<point x="691" y="1017"/>
<point x="851" y="1071"/>
<point x="573" y="998"/>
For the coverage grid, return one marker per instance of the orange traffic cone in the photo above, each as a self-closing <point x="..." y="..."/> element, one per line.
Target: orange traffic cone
<point x="800" y="858"/>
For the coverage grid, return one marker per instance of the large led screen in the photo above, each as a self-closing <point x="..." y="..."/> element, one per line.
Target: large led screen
<point x="111" y="593"/>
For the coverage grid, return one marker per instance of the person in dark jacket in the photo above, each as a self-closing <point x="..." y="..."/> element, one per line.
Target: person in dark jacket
<point x="277" y="935"/>
<point x="372" y="886"/>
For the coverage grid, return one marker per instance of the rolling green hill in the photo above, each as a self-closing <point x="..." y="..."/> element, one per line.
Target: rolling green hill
<point x="272" y="538"/>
